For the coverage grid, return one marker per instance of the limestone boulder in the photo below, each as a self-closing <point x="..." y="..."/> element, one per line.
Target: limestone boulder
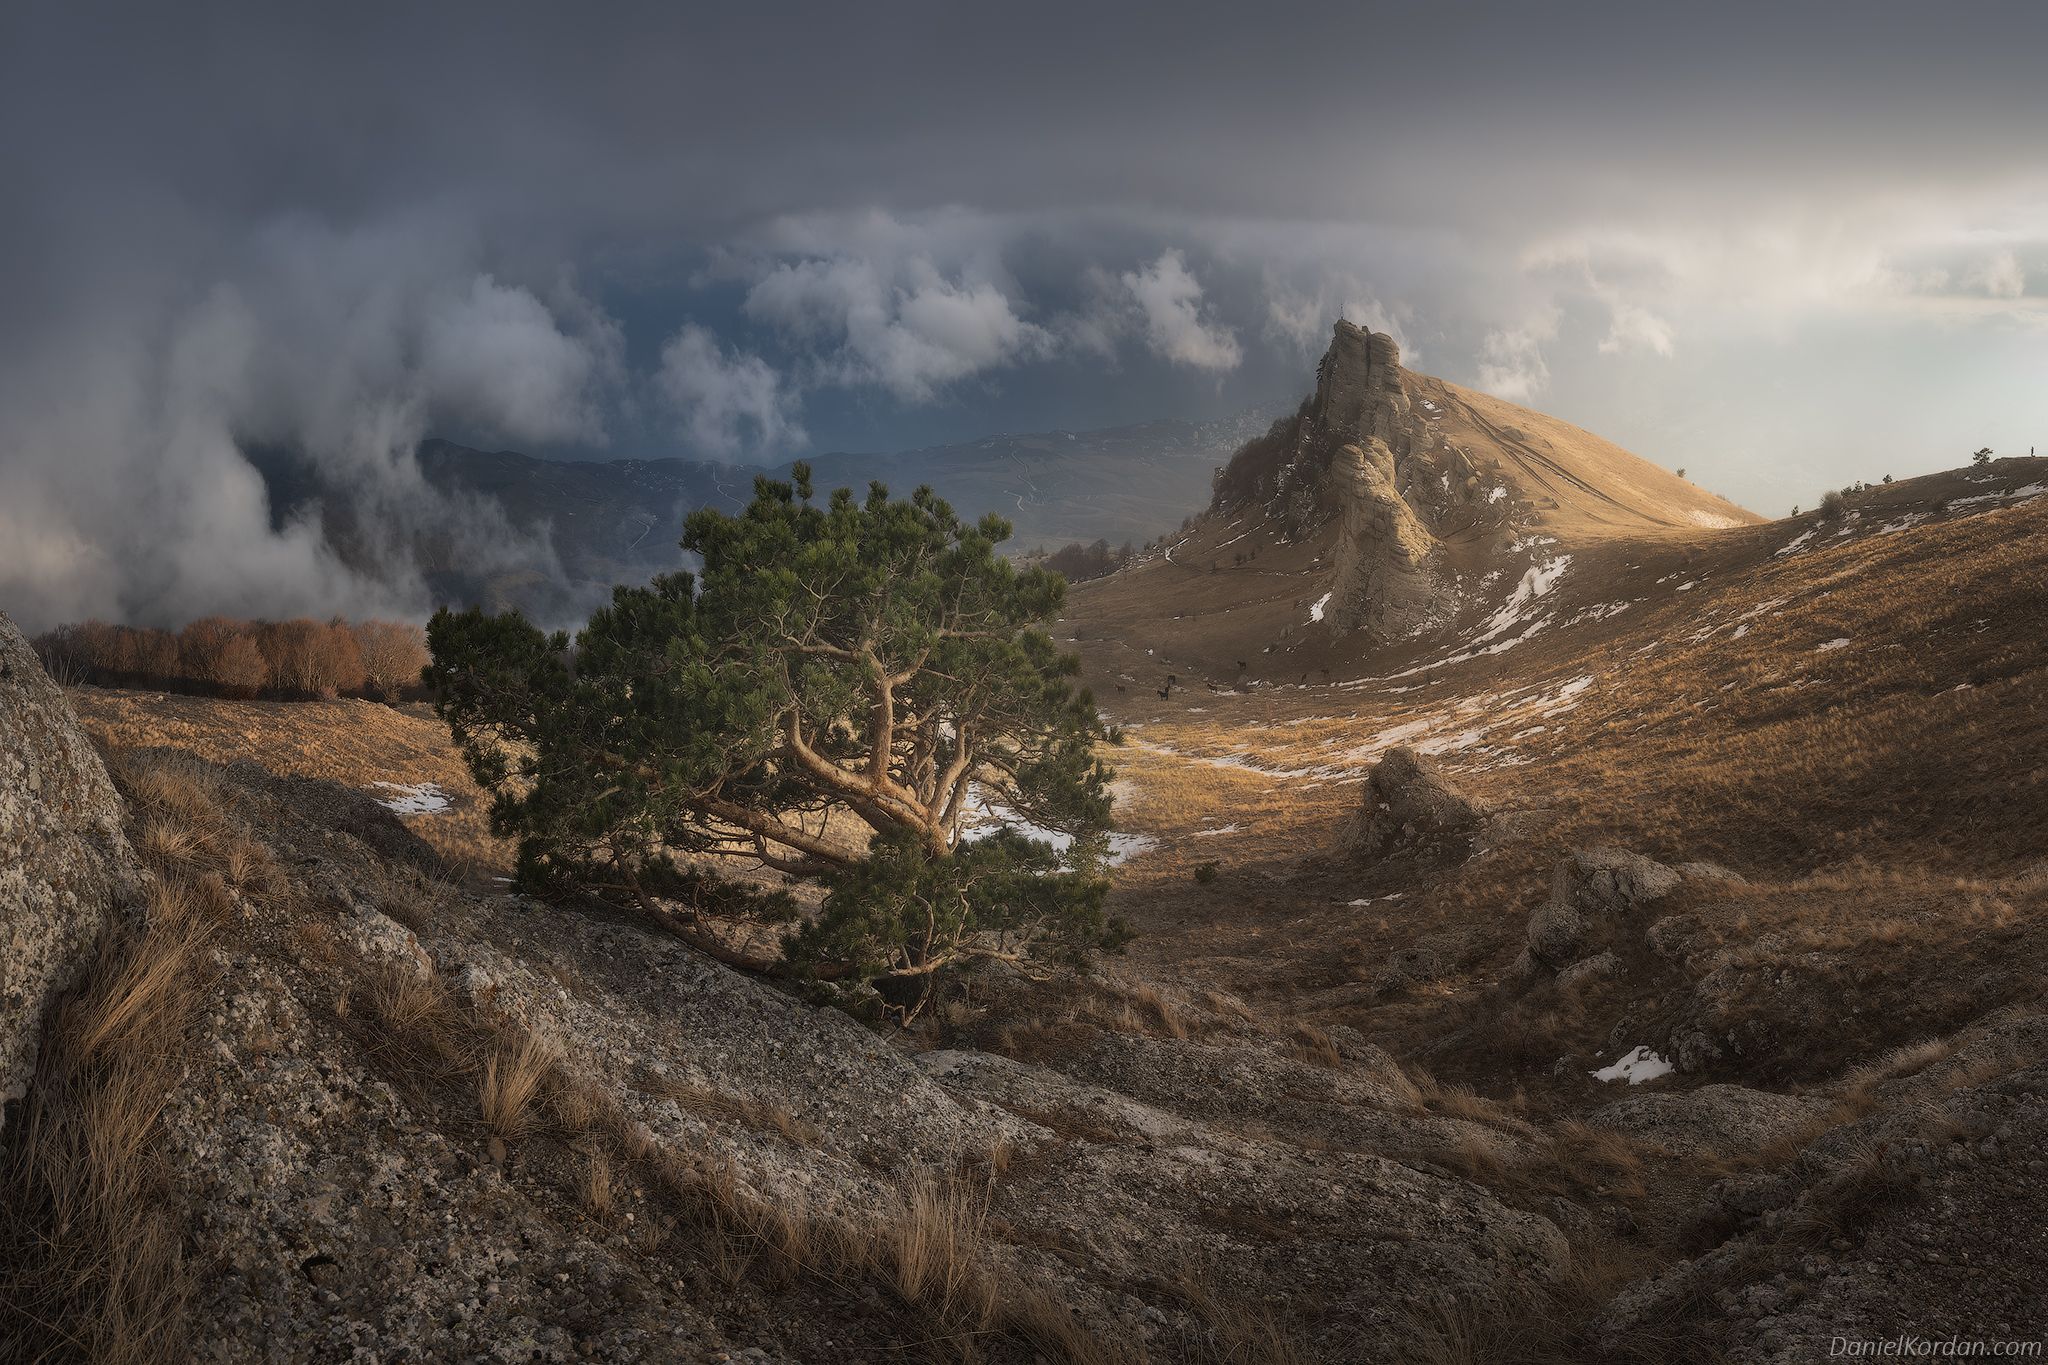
<point x="1411" y="804"/>
<point x="66" y="870"/>
<point x="1593" y="893"/>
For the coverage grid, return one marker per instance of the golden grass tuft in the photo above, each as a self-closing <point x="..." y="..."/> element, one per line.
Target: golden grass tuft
<point x="513" y="1075"/>
<point x="89" y="1225"/>
<point x="1314" y="1046"/>
<point x="929" y="1251"/>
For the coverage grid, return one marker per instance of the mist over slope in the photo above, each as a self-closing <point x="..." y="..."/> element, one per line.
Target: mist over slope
<point x="595" y="523"/>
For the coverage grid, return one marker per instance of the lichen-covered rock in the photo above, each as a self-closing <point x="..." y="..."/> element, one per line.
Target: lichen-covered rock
<point x="1728" y="1119"/>
<point x="1598" y="967"/>
<point x="1592" y="893"/>
<point x="1611" y="881"/>
<point x="1202" y="1179"/>
<point x="65" y="866"/>
<point x="1935" y="1203"/>
<point x="1410" y="805"/>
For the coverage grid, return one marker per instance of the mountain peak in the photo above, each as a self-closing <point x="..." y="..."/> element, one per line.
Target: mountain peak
<point x="1358" y="384"/>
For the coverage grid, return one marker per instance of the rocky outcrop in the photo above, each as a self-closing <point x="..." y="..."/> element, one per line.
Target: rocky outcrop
<point x="66" y="869"/>
<point x="334" y="1155"/>
<point x="1711" y="1119"/>
<point x="1385" y="583"/>
<point x="1591" y="892"/>
<point x="1928" y="1210"/>
<point x="1410" y="806"/>
<point x="1359" y="394"/>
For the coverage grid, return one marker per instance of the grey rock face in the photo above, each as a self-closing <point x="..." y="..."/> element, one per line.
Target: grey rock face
<point x="1409" y="803"/>
<point x="1611" y="880"/>
<point x="1385" y="583"/>
<point x="1358" y="385"/>
<point x="1591" y="890"/>
<point x="1713" y="1118"/>
<point x="65" y="867"/>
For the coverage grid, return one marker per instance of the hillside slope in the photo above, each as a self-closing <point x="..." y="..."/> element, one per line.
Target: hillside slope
<point x="1723" y="864"/>
<point x="1642" y="1009"/>
<point x="1390" y="512"/>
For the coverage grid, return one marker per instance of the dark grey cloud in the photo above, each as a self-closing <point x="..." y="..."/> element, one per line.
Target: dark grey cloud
<point x="1720" y="234"/>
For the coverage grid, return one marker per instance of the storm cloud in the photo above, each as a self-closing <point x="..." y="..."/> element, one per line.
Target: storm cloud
<point x="1786" y="246"/>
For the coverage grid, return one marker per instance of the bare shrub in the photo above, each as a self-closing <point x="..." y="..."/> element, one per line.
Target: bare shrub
<point x="393" y="655"/>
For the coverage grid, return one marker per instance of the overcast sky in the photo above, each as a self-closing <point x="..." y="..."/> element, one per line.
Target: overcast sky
<point x="1784" y="246"/>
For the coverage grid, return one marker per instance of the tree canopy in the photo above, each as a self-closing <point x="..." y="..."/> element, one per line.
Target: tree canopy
<point x="854" y="695"/>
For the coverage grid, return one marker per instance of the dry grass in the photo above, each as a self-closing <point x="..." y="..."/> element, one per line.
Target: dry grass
<point x="89" y="1223"/>
<point x="1312" y="1045"/>
<point x="418" y="1028"/>
<point x="599" y="1196"/>
<point x="1234" y="1330"/>
<point x="929" y="1250"/>
<point x="353" y="743"/>
<point x="758" y="1115"/>
<point x="1546" y="1324"/>
<point x="512" y="1080"/>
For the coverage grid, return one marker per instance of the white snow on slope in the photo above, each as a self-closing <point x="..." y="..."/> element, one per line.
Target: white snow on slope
<point x="2029" y="493"/>
<point x="1797" y="543"/>
<point x="1639" y="1065"/>
<point x="421" y="799"/>
<point x="983" y="820"/>
<point x="1315" y="612"/>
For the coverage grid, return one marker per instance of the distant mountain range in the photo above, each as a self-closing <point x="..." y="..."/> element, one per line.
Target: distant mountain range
<point x="620" y="520"/>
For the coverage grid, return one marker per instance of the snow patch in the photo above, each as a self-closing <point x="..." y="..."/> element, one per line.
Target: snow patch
<point x="1639" y="1065"/>
<point x="1797" y="543"/>
<point x="1839" y="642"/>
<point x="2029" y="493"/>
<point x="1315" y="612"/>
<point x="422" y="798"/>
<point x="1536" y="582"/>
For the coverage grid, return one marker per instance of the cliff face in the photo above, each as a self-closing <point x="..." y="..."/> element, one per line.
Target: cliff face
<point x="1386" y="584"/>
<point x="1359" y="395"/>
<point x="1387" y="579"/>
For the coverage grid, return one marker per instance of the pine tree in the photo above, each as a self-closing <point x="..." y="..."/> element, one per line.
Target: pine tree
<point x="847" y="695"/>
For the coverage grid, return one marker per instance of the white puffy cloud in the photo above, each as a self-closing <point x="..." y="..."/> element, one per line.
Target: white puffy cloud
<point x="1511" y="361"/>
<point x="726" y="402"/>
<point x="910" y="306"/>
<point x="1169" y="299"/>
<point x="1632" y="325"/>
